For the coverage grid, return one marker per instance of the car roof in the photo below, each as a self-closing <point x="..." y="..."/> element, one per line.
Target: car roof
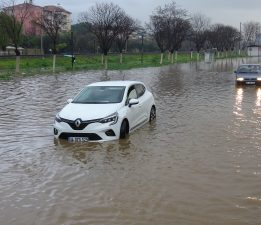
<point x="126" y="83"/>
<point x="250" y="64"/>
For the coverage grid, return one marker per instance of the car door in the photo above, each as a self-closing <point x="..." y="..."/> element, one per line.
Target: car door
<point x="143" y="102"/>
<point x="133" y="112"/>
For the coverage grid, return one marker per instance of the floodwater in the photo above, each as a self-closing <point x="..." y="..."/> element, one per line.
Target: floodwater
<point x="199" y="164"/>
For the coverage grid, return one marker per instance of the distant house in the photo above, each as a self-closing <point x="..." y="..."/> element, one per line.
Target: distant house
<point x="254" y="50"/>
<point x="35" y="11"/>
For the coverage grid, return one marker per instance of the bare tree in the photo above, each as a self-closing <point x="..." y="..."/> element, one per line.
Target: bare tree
<point x="177" y="34"/>
<point x="4" y="39"/>
<point x="177" y="26"/>
<point x="199" y="25"/>
<point x="232" y="37"/>
<point x="106" y="20"/>
<point x="13" y="19"/>
<point x="52" y="22"/>
<point x="250" y="30"/>
<point x="169" y="25"/>
<point x="127" y="28"/>
<point x="223" y="37"/>
<point x="157" y="29"/>
<point x="215" y="37"/>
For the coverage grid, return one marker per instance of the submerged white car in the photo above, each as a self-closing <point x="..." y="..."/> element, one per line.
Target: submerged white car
<point x="105" y="111"/>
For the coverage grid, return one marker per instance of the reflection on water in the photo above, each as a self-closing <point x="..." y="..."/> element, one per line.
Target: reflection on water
<point x="258" y="97"/>
<point x="198" y="164"/>
<point x="239" y="99"/>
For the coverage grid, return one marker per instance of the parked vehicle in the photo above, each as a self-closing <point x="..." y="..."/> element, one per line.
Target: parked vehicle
<point x="248" y="74"/>
<point x="105" y="111"/>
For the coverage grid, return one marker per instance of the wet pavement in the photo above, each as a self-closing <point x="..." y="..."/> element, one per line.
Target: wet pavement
<point x="199" y="164"/>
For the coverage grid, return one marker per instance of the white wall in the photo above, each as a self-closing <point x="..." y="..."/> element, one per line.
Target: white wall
<point x="254" y="51"/>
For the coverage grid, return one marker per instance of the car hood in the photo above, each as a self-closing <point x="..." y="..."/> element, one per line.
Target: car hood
<point x="73" y="111"/>
<point x="249" y="75"/>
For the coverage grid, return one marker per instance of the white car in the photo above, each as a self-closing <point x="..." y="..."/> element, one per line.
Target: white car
<point x="105" y="111"/>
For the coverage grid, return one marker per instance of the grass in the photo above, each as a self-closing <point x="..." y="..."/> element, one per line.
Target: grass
<point x="38" y="65"/>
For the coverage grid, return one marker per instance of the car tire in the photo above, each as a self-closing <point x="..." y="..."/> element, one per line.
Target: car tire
<point x="152" y="113"/>
<point x="123" y="129"/>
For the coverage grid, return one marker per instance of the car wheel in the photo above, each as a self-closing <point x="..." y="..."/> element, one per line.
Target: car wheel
<point x="152" y="113"/>
<point x="123" y="130"/>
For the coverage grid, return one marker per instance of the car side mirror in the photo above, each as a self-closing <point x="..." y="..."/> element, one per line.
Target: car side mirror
<point x="69" y="100"/>
<point x="133" y="102"/>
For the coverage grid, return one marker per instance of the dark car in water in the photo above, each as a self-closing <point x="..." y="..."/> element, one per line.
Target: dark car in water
<point x="248" y="74"/>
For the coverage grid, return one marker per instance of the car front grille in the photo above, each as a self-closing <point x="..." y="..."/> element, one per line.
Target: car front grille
<point x="83" y="124"/>
<point x="90" y="136"/>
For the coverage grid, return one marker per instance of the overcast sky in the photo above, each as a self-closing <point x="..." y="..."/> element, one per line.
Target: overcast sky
<point x="228" y="12"/>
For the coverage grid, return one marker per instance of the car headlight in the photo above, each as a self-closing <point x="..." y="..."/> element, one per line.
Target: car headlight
<point x="259" y="78"/>
<point x="113" y="118"/>
<point x="240" y="79"/>
<point x="58" y="118"/>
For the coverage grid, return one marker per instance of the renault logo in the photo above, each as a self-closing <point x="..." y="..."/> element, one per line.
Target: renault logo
<point x="78" y="123"/>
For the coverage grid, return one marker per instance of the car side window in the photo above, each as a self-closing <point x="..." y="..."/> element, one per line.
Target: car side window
<point x="132" y="94"/>
<point x="140" y="89"/>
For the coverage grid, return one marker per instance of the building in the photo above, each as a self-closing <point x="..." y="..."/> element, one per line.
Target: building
<point x="28" y="12"/>
<point x="254" y="50"/>
<point x="50" y="10"/>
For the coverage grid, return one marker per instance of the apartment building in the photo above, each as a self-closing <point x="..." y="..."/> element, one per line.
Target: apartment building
<point x="29" y="12"/>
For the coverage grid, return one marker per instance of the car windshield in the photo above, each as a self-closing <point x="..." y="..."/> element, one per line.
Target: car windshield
<point x="249" y="69"/>
<point x="100" y="95"/>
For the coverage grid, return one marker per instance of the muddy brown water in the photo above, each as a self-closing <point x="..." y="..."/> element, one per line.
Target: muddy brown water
<point x="199" y="164"/>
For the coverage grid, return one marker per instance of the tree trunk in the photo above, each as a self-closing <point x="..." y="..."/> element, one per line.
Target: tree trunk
<point x="105" y="62"/>
<point x="176" y="56"/>
<point x="169" y="56"/>
<point x="198" y="57"/>
<point x="191" y="55"/>
<point x="17" y="66"/>
<point x="172" y="58"/>
<point x="102" y="59"/>
<point x="54" y="61"/>
<point x="121" y="58"/>
<point x="126" y="46"/>
<point x="161" y="58"/>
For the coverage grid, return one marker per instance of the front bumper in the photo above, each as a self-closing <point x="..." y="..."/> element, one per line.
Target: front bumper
<point x="93" y="131"/>
<point x="248" y="81"/>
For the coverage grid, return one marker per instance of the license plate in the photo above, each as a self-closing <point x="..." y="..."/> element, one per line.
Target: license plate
<point x="78" y="139"/>
<point x="250" y="82"/>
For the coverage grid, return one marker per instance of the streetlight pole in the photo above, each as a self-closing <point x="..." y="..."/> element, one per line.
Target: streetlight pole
<point x="258" y="44"/>
<point x="41" y="44"/>
<point x="240" y="41"/>
<point x="72" y="53"/>
<point x="142" y="37"/>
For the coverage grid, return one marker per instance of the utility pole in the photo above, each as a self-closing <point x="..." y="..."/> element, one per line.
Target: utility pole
<point x="142" y="37"/>
<point x="72" y="53"/>
<point x="42" y="52"/>
<point x="239" y="51"/>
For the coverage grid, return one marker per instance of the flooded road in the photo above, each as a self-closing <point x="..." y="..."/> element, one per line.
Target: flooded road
<point x="199" y="164"/>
